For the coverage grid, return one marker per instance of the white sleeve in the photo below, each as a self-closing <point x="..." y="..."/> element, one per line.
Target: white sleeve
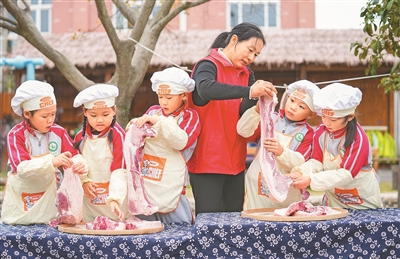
<point x="118" y="187"/>
<point x="325" y="180"/>
<point x="36" y="167"/>
<point x="309" y="167"/>
<point x="289" y="159"/>
<point x="79" y="158"/>
<point x="248" y="123"/>
<point x="170" y="131"/>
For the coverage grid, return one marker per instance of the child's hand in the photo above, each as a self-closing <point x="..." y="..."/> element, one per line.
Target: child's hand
<point x="63" y="159"/>
<point x="129" y="124"/>
<point x="139" y="122"/>
<point x="90" y="190"/>
<point x="301" y="182"/>
<point x="117" y="210"/>
<point x="79" y="168"/>
<point x="272" y="145"/>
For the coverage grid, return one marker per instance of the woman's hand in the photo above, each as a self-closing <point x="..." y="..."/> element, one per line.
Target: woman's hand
<point x="63" y="159"/>
<point x="261" y="87"/>
<point x="89" y="189"/>
<point x="273" y="145"/>
<point x="117" y="210"/>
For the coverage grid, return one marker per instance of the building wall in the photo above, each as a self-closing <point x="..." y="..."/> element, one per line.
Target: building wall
<point x="74" y="16"/>
<point x="297" y="14"/>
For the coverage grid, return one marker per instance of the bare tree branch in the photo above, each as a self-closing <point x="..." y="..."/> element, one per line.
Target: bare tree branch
<point x="168" y="17"/>
<point x="144" y="12"/>
<point x="108" y="26"/>
<point x="26" y="28"/>
<point x="126" y="11"/>
<point x="8" y="26"/>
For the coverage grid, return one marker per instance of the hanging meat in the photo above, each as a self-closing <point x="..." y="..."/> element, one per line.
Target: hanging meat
<point x="277" y="183"/>
<point x="138" y="202"/>
<point x="69" y="199"/>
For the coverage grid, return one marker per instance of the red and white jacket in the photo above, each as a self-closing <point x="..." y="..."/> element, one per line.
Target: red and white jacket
<point x="23" y="143"/>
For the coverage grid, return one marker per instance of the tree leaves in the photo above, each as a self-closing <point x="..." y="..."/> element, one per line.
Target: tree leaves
<point x="382" y="25"/>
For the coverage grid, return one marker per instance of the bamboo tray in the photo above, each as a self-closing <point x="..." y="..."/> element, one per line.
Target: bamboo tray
<point x="80" y="229"/>
<point x="268" y="215"/>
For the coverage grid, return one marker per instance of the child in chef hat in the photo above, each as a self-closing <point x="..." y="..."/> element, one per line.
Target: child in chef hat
<point x="340" y="163"/>
<point x="291" y="145"/>
<point x="177" y="128"/>
<point x="101" y="143"/>
<point x="37" y="148"/>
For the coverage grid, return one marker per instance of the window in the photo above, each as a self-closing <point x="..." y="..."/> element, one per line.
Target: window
<point x="41" y="14"/>
<point x="119" y="20"/>
<point x="262" y="13"/>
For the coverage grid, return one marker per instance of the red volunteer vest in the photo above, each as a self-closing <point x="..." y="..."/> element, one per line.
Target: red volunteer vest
<point x="220" y="149"/>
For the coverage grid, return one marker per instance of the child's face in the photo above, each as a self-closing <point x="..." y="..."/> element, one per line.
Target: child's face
<point x="171" y="102"/>
<point x="297" y="110"/>
<point x="42" y="119"/>
<point x="335" y="124"/>
<point x="100" y="119"/>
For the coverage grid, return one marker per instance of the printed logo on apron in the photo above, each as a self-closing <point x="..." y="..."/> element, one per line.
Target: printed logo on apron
<point x="102" y="194"/>
<point x="29" y="199"/>
<point x="153" y="167"/>
<point x="262" y="190"/>
<point x="348" y="196"/>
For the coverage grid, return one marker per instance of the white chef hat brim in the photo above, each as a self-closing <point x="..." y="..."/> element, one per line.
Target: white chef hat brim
<point x="33" y="95"/>
<point x="337" y="100"/>
<point x="97" y="96"/>
<point x="303" y="90"/>
<point x="172" y="80"/>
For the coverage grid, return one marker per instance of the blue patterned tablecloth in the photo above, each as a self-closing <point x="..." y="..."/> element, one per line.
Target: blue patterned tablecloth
<point x="362" y="234"/>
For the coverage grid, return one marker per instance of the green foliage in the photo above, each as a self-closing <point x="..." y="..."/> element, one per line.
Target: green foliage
<point x="382" y="25"/>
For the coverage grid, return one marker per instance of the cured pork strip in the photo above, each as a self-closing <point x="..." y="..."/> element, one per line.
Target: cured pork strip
<point x="69" y="200"/>
<point x="277" y="183"/>
<point x="138" y="202"/>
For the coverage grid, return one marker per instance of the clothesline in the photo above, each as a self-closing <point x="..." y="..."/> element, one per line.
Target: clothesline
<point x="276" y="86"/>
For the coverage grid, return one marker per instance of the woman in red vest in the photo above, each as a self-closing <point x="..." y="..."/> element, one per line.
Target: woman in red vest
<point x="225" y="89"/>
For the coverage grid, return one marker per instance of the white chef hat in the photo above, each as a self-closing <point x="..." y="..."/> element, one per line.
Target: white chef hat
<point x="33" y="95"/>
<point x="172" y="80"/>
<point x="304" y="90"/>
<point x="337" y="100"/>
<point x="97" y="96"/>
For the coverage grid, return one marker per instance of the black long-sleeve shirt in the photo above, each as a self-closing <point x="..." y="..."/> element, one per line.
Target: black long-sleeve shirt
<point x="208" y="89"/>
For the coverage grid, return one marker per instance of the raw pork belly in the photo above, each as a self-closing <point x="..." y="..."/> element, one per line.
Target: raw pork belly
<point x="69" y="200"/>
<point x="104" y="223"/>
<point x="138" y="202"/>
<point x="132" y="223"/>
<point x="302" y="208"/>
<point x="277" y="183"/>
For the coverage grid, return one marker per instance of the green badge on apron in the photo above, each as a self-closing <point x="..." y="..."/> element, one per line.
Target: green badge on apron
<point x="53" y="146"/>
<point x="299" y="137"/>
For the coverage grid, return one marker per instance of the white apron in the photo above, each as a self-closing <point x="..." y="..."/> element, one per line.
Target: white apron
<point x="99" y="157"/>
<point x="361" y="193"/>
<point x="30" y="194"/>
<point x="256" y="195"/>
<point x="164" y="174"/>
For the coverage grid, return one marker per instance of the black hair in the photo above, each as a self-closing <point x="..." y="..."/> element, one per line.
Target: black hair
<point x="350" y="131"/>
<point x="243" y="31"/>
<point x="110" y="134"/>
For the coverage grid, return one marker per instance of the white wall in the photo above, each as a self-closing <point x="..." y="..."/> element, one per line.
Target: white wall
<point x="338" y="14"/>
